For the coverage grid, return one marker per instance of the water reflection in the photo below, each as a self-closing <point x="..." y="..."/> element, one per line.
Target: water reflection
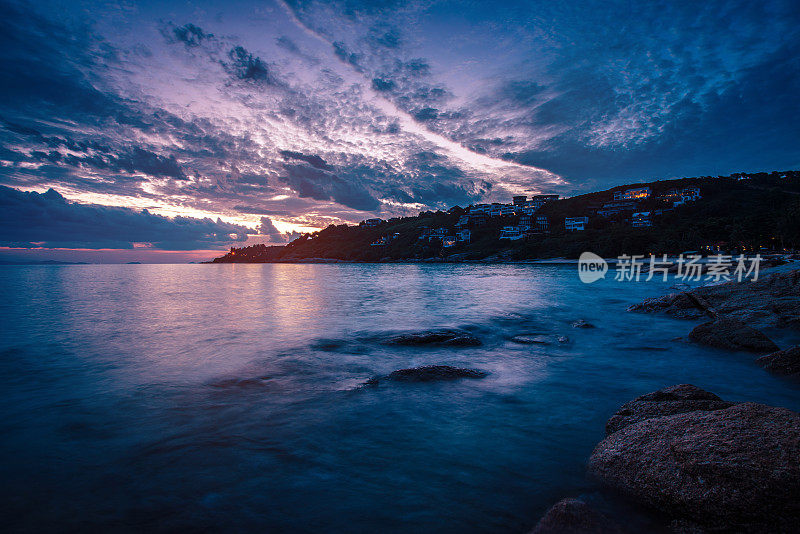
<point x="223" y="397"/>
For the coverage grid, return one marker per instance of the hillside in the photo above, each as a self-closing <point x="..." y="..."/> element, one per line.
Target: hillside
<point x="741" y="212"/>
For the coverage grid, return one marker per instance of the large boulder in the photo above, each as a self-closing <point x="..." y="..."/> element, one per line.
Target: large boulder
<point x="734" y="469"/>
<point x="673" y="400"/>
<point x="783" y="362"/>
<point x="732" y="334"/>
<point x="428" y="373"/>
<point x="444" y="337"/>
<point x="573" y="516"/>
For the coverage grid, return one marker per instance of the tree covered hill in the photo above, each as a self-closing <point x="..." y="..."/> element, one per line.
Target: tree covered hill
<point x="741" y="212"/>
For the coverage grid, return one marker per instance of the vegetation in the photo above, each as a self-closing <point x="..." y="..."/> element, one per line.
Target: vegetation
<point x="737" y="213"/>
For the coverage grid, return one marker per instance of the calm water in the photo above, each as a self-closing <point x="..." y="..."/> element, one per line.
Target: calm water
<point x="223" y="397"/>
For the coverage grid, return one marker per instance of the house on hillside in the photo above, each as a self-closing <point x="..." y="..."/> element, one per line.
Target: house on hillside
<point x="576" y="224"/>
<point x="511" y="233"/>
<point x="448" y="241"/>
<point x="636" y="193"/>
<point x="371" y="222"/>
<point x="478" y="219"/>
<point x="542" y="224"/>
<point x="610" y="209"/>
<point x="464" y="236"/>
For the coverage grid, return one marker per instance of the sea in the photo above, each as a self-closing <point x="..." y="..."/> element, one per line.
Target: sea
<point x="230" y="398"/>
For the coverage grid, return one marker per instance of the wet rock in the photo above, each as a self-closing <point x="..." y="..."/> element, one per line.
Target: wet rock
<point x="732" y="334"/>
<point x="673" y="400"/>
<point x="573" y="516"/>
<point x="450" y="338"/>
<point x="770" y="301"/>
<point x="428" y="373"/>
<point x="783" y="362"/>
<point x="678" y="305"/>
<point x="734" y="469"/>
<point x="582" y="324"/>
<point x="539" y="339"/>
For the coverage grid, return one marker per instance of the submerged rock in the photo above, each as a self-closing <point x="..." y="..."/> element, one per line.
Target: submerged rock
<point x="580" y="323"/>
<point x="673" y="400"/>
<point x="573" y="516"/>
<point x="428" y="373"/>
<point x="539" y="339"/>
<point x="733" y="335"/>
<point x="770" y="301"/>
<point x="445" y="337"/>
<point x="784" y="362"/>
<point x="733" y="469"/>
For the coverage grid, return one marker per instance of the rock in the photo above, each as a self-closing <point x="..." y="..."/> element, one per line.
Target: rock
<point x="539" y="339"/>
<point x="450" y="338"/>
<point x="582" y="324"/>
<point x="668" y="401"/>
<point x="734" y="469"/>
<point x="733" y="335"/>
<point x="573" y="516"/>
<point x="771" y="301"/>
<point x="783" y="362"/>
<point x="532" y="339"/>
<point x="678" y="305"/>
<point x="428" y="373"/>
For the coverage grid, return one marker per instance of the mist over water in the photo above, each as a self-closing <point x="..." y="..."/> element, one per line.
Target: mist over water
<point x="225" y="397"/>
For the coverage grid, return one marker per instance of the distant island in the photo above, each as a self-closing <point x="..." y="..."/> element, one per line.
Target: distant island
<point x="741" y="213"/>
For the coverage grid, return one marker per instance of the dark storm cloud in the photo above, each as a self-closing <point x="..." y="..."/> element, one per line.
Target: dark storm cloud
<point x="343" y="53"/>
<point x="190" y="35"/>
<point x="267" y="228"/>
<point x="311" y="159"/>
<point x="29" y="219"/>
<point x="246" y="66"/>
<point x="318" y="184"/>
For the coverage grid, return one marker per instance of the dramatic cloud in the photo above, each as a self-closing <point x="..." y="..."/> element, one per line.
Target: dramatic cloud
<point x="315" y="112"/>
<point x="29" y="219"/>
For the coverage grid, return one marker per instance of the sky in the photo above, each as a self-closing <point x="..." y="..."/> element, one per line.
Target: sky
<point x="169" y="131"/>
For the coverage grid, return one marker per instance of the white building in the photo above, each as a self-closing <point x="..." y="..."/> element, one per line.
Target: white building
<point x="511" y="233"/>
<point x="636" y="193"/>
<point x="574" y="224"/>
<point x="480" y="208"/>
<point x="542" y="223"/>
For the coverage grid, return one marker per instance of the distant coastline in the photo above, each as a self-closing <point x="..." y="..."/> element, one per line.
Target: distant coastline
<point x="740" y="213"/>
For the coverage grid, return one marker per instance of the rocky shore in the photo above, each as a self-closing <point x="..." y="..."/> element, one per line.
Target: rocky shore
<point x="700" y="463"/>
<point x="738" y="311"/>
<point x="704" y="464"/>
